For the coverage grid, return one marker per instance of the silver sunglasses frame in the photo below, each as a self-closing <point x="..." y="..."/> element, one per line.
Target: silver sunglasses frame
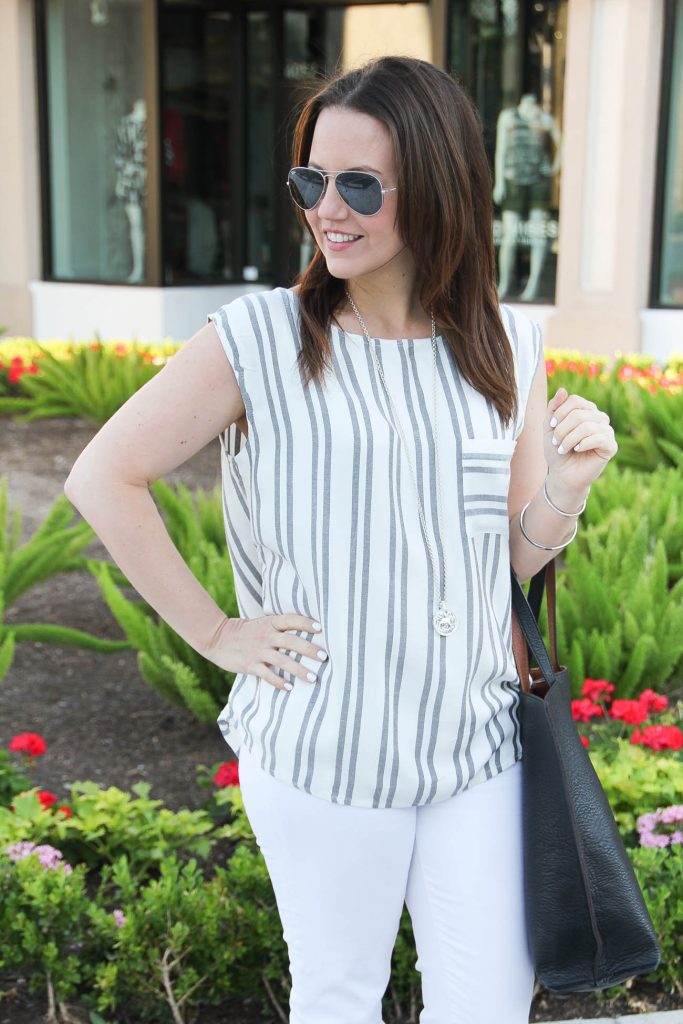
<point x="333" y="174"/>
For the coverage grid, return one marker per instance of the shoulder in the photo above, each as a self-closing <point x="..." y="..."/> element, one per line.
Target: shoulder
<point x="252" y="311"/>
<point x="526" y="338"/>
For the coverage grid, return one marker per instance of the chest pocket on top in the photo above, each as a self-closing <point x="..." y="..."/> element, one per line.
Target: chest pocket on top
<point x="486" y="482"/>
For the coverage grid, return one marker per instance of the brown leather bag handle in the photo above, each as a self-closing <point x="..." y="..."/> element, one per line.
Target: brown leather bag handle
<point x="544" y="577"/>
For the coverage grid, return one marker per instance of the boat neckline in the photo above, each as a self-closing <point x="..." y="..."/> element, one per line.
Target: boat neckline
<point x="361" y="337"/>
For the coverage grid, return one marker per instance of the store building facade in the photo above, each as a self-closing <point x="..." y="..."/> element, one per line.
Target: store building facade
<point x="147" y="145"/>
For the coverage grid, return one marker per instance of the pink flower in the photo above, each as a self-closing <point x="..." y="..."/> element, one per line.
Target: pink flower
<point x="647" y="823"/>
<point x="120" y="918"/>
<point x="49" y="857"/>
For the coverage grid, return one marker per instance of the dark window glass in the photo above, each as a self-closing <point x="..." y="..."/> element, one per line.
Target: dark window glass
<point x="670" y="283"/>
<point x="198" y="54"/>
<point x="260" y="169"/>
<point x="511" y="57"/>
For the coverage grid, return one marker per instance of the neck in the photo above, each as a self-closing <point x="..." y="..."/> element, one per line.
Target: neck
<point x="391" y="310"/>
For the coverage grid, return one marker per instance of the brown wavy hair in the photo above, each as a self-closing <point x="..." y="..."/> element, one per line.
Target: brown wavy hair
<point x="444" y="211"/>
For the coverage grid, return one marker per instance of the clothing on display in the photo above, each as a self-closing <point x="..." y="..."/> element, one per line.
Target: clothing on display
<point x="130" y="159"/>
<point x="321" y="519"/>
<point x="526" y="159"/>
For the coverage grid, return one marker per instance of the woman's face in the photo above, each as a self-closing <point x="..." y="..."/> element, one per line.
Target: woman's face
<point x="346" y="140"/>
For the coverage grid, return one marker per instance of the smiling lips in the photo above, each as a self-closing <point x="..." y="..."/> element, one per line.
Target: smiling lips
<point x="337" y="240"/>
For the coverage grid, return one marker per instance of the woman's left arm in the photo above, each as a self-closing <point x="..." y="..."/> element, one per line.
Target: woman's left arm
<point x="566" y="442"/>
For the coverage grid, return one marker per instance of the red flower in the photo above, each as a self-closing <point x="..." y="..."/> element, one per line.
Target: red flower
<point x="653" y="701"/>
<point x="594" y="689"/>
<point x="227" y="774"/>
<point x="584" y="710"/>
<point x="585" y="741"/>
<point x="46" y="798"/>
<point x="66" y="811"/>
<point x="632" y="711"/>
<point x="659" y="737"/>
<point x="28" y="743"/>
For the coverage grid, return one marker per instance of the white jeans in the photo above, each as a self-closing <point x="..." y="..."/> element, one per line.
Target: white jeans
<point x="341" y="874"/>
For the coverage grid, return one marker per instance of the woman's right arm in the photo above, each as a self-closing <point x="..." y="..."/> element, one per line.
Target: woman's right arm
<point x="192" y="399"/>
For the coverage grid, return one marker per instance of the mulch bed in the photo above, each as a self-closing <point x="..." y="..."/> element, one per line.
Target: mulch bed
<point x="102" y="722"/>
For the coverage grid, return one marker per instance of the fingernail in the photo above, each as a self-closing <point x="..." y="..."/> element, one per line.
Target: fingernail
<point x="311" y="677"/>
<point x="553" y="422"/>
<point x="316" y="625"/>
<point x="560" y="450"/>
<point x="554" y="439"/>
<point x="322" y="655"/>
<point x="288" y="686"/>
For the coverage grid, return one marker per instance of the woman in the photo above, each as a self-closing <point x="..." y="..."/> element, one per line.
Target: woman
<point x="379" y="480"/>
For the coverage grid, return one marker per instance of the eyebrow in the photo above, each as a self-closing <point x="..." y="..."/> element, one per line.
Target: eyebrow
<point x="373" y="170"/>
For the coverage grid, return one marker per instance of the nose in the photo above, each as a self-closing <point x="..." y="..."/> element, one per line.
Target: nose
<point x="331" y="205"/>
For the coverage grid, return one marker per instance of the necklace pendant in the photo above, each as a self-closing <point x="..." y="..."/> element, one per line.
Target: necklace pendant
<point x="444" y="620"/>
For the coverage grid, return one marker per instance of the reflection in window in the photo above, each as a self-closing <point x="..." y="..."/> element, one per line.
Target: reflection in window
<point x="97" y="136"/>
<point x="259" y="128"/>
<point x="197" y="110"/>
<point x="671" y="275"/>
<point x="510" y="56"/>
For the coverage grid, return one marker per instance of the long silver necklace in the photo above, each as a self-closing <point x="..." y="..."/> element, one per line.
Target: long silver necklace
<point x="444" y="619"/>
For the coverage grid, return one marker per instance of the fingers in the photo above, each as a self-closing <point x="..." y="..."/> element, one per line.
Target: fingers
<point x="280" y="650"/>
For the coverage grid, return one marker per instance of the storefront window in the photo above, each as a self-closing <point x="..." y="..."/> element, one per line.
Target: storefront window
<point x="260" y="156"/>
<point x="670" y="284"/>
<point x="510" y="54"/>
<point x="97" y="137"/>
<point x="202" y="142"/>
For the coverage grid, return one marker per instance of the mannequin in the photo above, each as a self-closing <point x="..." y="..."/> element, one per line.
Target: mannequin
<point x="131" y="147"/>
<point x="523" y="183"/>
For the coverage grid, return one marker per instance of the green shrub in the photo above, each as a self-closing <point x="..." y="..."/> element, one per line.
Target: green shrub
<point x="44" y="922"/>
<point x="90" y="381"/>
<point x="635" y="780"/>
<point x="617" y="618"/>
<point x="12" y="780"/>
<point x="657" y="496"/>
<point x="166" y="661"/>
<point x="55" y="547"/>
<point x="106" y="823"/>
<point x="660" y="875"/>
<point x="175" y="947"/>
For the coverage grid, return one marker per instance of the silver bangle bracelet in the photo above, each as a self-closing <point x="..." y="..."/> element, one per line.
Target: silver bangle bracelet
<point x="545" y="547"/>
<point x="556" y="509"/>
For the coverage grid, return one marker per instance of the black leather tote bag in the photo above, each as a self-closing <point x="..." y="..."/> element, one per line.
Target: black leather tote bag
<point x="587" y="923"/>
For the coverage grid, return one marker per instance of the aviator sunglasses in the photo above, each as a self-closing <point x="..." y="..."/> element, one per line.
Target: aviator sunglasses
<point x="361" y="191"/>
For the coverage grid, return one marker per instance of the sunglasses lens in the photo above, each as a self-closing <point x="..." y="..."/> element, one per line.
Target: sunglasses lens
<point x="361" y="190"/>
<point x="306" y="186"/>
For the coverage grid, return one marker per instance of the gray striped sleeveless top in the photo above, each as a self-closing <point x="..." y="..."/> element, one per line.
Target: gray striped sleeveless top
<point x="321" y="519"/>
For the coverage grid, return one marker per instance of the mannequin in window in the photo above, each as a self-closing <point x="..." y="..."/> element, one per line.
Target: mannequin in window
<point x="130" y="161"/>
<point x="523" y="185"/>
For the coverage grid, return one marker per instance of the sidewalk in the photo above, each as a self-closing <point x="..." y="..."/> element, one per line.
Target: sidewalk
<point x="665" y="1017"/>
